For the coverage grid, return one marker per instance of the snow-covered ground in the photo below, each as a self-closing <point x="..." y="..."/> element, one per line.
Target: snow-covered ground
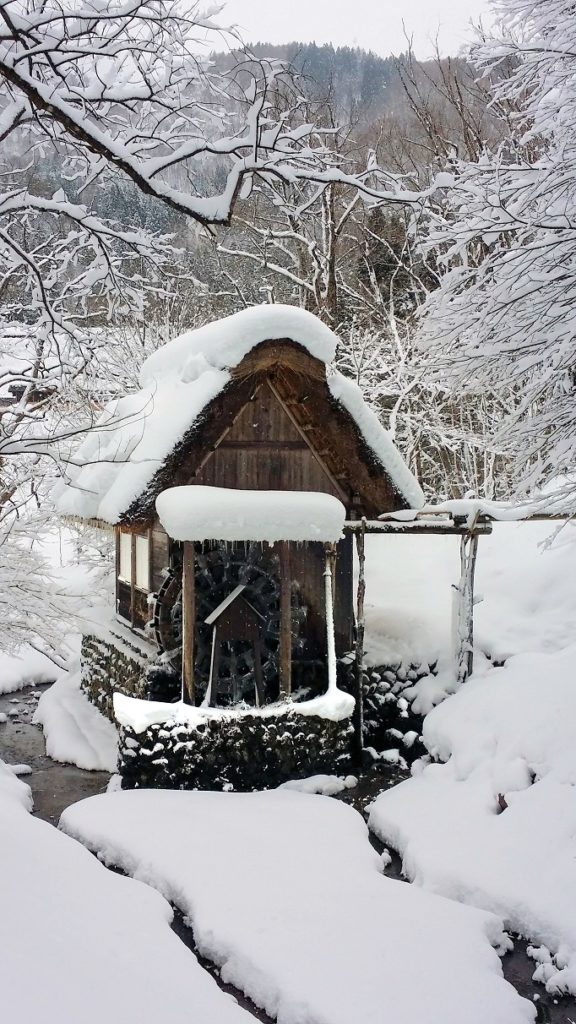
<point x="286" y="896"/>
<point x="74" y="729"/>
<point x="524" y="589"/>
<point x="80" y="943"/>
<point x="29" y="666"/>
<point x="495" y="826"/>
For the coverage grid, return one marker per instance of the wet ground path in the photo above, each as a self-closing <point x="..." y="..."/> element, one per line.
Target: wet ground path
<point x="56" y="786"/>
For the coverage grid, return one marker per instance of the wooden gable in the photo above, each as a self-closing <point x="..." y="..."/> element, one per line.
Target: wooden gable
<point x="265" y="450"/>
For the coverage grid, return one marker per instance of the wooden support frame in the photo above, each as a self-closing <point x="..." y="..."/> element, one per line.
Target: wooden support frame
<point x="330" y="550"/>
<point x="358" y="740"/>
<point x="469" y="530"/>
<point x="463" y="608"/>
<point x="188" y="622"/>
<point x="285" y="653"/>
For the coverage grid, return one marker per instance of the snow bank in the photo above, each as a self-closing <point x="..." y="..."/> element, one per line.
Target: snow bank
<point x="81" y="943"/>
<point x="139" y="715"/>
<point x="224" y="343"/>
<point x="508" y="738"/>
<point x="13" y="794"/>
<point x="74" y="730"/>
<point x="30" y="666"/>
<point x="300" y="918"/>
<point x="219" y="513"/>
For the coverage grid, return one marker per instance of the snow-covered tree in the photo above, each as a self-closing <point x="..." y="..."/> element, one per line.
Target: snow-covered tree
<point x="120" y="96"/>
<point x="504" y="317"/>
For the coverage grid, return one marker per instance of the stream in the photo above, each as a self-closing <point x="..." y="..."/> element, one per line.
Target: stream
<point x="55" y="786"/>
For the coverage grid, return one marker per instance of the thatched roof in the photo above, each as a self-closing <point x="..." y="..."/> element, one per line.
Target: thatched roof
<point x="192" y="391"/>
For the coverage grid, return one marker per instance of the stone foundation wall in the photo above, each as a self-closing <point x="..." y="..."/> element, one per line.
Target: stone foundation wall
<point x="109" y="663"/>
<point x="247" y="752"/>
<point x="389" y="721"/>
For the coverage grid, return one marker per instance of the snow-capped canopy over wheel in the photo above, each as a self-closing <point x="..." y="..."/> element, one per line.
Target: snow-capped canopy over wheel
<point x="221" y="513"/>
<point x="120" y="463"/>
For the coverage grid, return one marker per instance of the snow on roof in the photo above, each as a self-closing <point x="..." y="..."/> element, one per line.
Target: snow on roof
<point x="120" y="456"/>
<point x="348" y="394"/>
<point x="224" y="343"/>
<point x="219" y="513"/>
<point x="134" y="436"/>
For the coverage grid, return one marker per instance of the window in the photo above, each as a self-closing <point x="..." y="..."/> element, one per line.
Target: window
<point x="134" y="549"/>
<point x="125" y="567"/>
<point x="142" y="562"/>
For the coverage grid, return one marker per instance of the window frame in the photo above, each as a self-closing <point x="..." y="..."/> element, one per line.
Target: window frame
<point x="143" y="586"/>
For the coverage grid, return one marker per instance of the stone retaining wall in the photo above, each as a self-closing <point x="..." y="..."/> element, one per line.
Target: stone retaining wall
<point x="247" y="752"/>
<point x="110" y="662"/>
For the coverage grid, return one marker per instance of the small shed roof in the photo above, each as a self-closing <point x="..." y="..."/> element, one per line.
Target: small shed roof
<point x="218" y="513"/>
<point x="124" y="454"/>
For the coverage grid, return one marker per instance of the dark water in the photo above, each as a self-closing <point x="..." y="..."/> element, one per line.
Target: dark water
<point x="54" y="786"/>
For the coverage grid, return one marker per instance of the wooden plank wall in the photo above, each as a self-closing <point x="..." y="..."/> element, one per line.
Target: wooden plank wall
<point x="265" y="450"/>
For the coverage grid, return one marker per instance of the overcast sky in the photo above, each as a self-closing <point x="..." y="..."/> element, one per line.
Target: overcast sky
<point x="372" y="24"/>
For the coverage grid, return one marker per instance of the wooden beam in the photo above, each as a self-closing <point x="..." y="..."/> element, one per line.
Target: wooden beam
<point x="188" y="622"/>
<point x="415" y="526"/>
<point x="117" y="568"/>
<point x="285" y="665"/>
<point x="133" y="580"/>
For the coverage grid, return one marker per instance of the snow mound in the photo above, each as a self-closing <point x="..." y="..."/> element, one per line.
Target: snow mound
<point x="100" y="946"/>
<point x="524" y="585"/>
<point x="496" y="825"/>
<point x="325" y="785"/>
<point x="220" y="513"/>
<point x="330" y="941"/>
<point x="13" y="793"/>
<point x="74" y="730"/>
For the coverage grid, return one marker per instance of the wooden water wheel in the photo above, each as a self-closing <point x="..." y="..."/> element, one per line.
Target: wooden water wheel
<point x="219" y="569"/>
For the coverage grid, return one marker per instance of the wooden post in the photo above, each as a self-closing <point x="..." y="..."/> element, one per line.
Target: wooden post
<point x="359" y="651"/>
<point x="188" y="622"/>
<point x="329" y="592"/>
<point x="464" y="607"/>
<point x="132" y="580"/>
<point x="285" y="666"/>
